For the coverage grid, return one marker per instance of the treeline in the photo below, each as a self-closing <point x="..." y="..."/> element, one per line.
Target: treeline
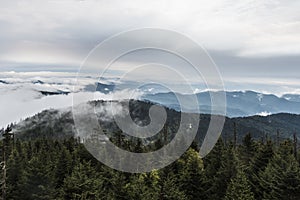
<point x="64" y="169"/>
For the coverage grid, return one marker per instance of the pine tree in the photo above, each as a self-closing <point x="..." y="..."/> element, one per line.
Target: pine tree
<point x="83" y="183"/>
<point x="192" y="175"/>
<point x="212" y="164"/>
<point x="257" y="165"/>
<point x="281" y="178"/>
<point x="247" y="149"/>
<point x="169" y="189"/>
<point x="14" y="173"/>
<point x="144" y="186"/>
<point x="226" y="171"/>
<point x="63" y="167"/>
<point x="239" y="188"/>
<point x="37" y="180"/>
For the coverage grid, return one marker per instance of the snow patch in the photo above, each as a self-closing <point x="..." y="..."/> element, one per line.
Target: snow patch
<point x="260" y="97"/>
<point x="264" y="113"/>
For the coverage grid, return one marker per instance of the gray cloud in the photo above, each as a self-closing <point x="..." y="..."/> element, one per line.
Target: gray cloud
<point x="233" y="65"/>
<point x="246" y="39"/>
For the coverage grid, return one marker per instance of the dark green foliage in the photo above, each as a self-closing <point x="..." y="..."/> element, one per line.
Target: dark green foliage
<point x="16" y="164"/>
<point x="225" y="173"/>
<point x="58" y="125"/>
<point x="37" y="180"/>
<point x="247" y="149"/>
<point x="239" y="188"/>
<point x="257" y="165"/>
<point x="192" y="175"/>
<point x="281" y="178"/>
<point x="63" y="169"/>
<point x="83" y="183"/>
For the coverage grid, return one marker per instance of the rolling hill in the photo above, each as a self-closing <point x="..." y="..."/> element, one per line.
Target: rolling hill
<point x="60" y="123"/>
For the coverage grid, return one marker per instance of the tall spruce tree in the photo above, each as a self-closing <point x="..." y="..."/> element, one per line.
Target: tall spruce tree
<point x="192" y="175"/>
<point x="83" y="183"/>
<point x="239" y="188"/>
<point x="226" y="171"/>
<point x="281" y="178"/>
<point x="37" y="181"/>
<point x="260" y="160"/>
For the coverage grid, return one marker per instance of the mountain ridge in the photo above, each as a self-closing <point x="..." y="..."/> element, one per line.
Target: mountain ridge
<point x="239" y="103"/>
<point x="59" y="123"/>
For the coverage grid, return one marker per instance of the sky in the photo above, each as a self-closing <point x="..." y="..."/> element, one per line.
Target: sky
<point x="254" y="43"/>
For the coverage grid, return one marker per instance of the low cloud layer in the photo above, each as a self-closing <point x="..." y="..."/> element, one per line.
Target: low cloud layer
<point x="24" y="94"/>
<point x="21" y="93"/>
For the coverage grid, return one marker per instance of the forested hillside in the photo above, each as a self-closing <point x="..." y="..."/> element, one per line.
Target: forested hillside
<point x="59" y="123"/>
<point x="256" y="158"/>
<point x="63" y="169"/>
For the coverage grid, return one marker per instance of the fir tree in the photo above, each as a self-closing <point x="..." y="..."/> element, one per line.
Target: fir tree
<point x="37" y="180"/>
<point x="281" y="178"/>
<point x="226" y="171"/>
<point x="83" y="183"/>
<point x="192" y="175"/>
<point x="239" y="188"/>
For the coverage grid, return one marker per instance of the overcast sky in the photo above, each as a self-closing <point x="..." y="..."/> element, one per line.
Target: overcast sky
<point x="250" y="40"/>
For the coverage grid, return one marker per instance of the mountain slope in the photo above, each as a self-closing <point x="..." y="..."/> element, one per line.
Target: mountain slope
<point x="60" y="124"/>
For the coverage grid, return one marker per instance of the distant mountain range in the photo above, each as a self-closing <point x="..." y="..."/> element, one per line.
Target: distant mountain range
<point x="239" y="104"/>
